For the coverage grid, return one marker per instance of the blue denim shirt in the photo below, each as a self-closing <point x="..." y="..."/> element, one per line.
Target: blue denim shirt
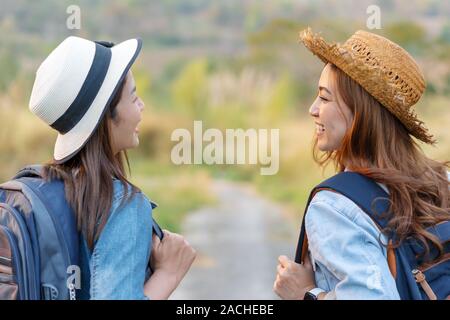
<point x="116" y="269"/>
<point x="346" y="250"/>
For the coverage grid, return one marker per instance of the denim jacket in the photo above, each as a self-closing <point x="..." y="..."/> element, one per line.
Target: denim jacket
<point x="346" y="250"/>
<point x="116" y="269"/>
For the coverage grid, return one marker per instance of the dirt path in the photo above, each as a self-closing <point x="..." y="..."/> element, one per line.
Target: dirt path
<point x="238" y="242"/>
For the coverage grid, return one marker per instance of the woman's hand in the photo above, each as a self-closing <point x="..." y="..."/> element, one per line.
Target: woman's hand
<point x="293" y="279"/>
<point x="173" y="255"/>
<point x="171" y="259"/>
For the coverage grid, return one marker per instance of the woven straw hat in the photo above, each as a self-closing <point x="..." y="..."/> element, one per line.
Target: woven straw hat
<point x="382" y="68"/>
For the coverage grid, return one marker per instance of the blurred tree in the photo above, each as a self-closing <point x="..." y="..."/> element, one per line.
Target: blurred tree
<point x="9" y="66"/>
<point x="189" y="88"/>
<point x="408" y="34"/>
<point x="143" y="82"/>
<point x="431" y="88"/>
<point x="275" y="46"/>
<point x="445" y="34"/>
<point x="279" y="31"/>
<point x="447" y="85"/>
<point x="281" y="99"/>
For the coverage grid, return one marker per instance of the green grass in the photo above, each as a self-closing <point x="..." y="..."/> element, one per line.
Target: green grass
<point x="176" y="190"/>
<point x="24" y="139"/>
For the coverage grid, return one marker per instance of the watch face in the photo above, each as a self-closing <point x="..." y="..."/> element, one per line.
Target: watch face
<point x="309" y="296"/>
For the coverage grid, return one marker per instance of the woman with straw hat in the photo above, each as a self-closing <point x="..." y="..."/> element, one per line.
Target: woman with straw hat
<point x="365" y="124"/>
<point x="86" y="92"/>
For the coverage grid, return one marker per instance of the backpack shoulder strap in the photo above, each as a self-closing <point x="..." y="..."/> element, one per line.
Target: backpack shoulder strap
<point x="359" y="189"/>
<point x="364" y="192"/>
<point x="34" y="170"/>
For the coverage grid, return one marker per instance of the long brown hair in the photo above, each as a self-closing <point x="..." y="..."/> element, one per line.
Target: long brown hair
<point x="88" y="176"/>
<point x="379" y="146"/>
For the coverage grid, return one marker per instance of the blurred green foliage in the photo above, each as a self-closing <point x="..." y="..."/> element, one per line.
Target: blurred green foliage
<point x="232" y="64"/>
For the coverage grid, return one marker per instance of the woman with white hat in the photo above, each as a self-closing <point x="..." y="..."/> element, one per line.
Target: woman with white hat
<point x="365" y="124"/>
<point x="86" y="91"/>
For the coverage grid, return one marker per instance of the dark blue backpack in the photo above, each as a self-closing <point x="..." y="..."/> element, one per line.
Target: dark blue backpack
<point x="416" y="278"/>
<point x="39" y="241"/>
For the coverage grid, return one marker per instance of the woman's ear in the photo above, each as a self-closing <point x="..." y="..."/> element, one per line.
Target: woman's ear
<point x="344" y="109"/>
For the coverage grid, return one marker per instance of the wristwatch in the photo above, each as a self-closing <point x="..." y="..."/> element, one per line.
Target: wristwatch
<point x="313" y="294"/>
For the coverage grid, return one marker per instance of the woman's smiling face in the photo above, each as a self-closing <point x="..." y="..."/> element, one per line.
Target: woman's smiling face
<point x="331" y="115"/>
<point x="129" y="113"/>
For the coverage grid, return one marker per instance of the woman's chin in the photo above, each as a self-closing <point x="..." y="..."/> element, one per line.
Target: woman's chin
<point x="323" y="146"/>
<point x="320" y="144"/>
<point x="134" y="143"/>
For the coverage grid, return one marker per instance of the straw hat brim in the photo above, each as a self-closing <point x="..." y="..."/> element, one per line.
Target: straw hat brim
<point x="122" y="57"/>
<point x="343" y="58"/>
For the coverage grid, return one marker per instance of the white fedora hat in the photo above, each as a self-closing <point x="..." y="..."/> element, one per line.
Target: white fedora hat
<point x="75" y="84"/>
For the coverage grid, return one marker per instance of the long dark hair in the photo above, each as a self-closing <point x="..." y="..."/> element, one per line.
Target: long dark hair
<point x="379" y="146"/>
<point x="88" y="176"/>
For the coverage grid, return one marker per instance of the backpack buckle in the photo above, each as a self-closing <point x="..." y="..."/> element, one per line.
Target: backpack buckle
<point x="421" y="279"/>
